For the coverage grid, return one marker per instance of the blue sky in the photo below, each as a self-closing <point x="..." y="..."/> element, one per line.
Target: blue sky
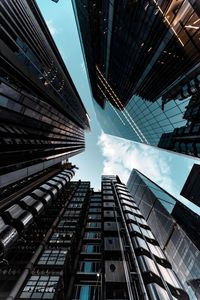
<point x="106" y="154"/>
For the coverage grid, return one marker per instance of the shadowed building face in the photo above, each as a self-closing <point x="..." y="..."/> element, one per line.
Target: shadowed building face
<point x="191" y="189"/>
<point x="143" y="63"/>
<point x="42" y="116"/>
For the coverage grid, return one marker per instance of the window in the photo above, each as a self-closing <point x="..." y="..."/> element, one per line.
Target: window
<point x="108" y="197"/>
<point x="67" y="224"/>
<point x="75" y="205"/>
<point x="198" y="149"/>
<point x="61" y="238"/>
<point x="96" y="199"/>
<point x="94" y="210"/>
<point x="95" y="204"/>
<point x="92" y="235"/>
<point x="107" y="188"/>
<point x="183" y="148"/>
<point x="93" y="225"/>
<point x="52" y="257"/>
<point x="107" y="192"/>
<point x="78" y="199"/>
<point x="80" y="194"/>
<point x="40" y="287"/>
<point x="89" y="266"/>
<point x="71" y="213"/>
<point x="94" y="216"/>
<point x="86" y="292"/>
<point x="91" y="248"/>
<point x="190" y="149"/>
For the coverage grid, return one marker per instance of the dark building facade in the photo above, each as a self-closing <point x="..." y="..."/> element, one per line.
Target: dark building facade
<point x="189" y="221"/>
<point x="68" y="242"/>
<point x="185" y="139"/>
<point x="34" y="243"/>
<point x="175" y="226"/>
<point x="42" y="118"/>
<point x="142" y="59"/>
<point x="191" y="188"/>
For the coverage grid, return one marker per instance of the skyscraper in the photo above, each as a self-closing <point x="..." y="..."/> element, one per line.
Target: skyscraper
<point x="175" y="226"/>
<point x="69" y="242"/>
<point x="142" y="59"/>
<point x="190" y="189"/>
<point x="42" y="118"/>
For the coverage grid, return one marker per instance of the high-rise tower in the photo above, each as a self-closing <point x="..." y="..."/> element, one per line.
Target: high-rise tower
<point x="42" y="118"/>
<point x="175" y="226"/>
<point x="191" y="189"/>
<point x="142" y="59"/>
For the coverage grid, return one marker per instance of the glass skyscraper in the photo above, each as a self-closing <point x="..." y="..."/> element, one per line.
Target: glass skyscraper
<point x="142" y="59"/>
<point x="175" y="226"/>
<point x="142" y="121"/>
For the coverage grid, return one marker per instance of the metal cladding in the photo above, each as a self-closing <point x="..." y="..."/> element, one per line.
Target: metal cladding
<point x="19" y="217"/>
<point x="153" y="263"/>
<point x="34" y="206"/>
<point x="8" y="236"/>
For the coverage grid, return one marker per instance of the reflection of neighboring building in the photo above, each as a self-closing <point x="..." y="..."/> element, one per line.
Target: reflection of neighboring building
<point x="143" y="70"/>
<point x="191" y="188"/>
<point x="175" y="227"/>
<point x="189" y="221"/>
<point x="42" y="118"/>
<point x="84" y="245"/>
<point x="185" y="139"/>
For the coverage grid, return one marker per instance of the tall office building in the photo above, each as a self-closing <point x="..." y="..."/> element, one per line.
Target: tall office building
<point x="191" y="189"/>
<point x="42" y="118"/>
<point x="65" y="241"/>
<point x="142" y="60"/>
<point x="175" y="226"/>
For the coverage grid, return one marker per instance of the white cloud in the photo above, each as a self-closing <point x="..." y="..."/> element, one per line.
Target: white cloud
<point x="121" y="156"/>
<point x="51" y="27"/>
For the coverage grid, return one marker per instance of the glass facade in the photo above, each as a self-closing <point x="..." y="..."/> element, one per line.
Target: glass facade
<point x="175" y="236"/>
<point x="142" y="121"/>
<point x="143" y="80"/>
<point x="185" y="259"/>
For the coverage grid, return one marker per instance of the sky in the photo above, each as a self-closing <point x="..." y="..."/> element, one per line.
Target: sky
<point x="106" y="154"/>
